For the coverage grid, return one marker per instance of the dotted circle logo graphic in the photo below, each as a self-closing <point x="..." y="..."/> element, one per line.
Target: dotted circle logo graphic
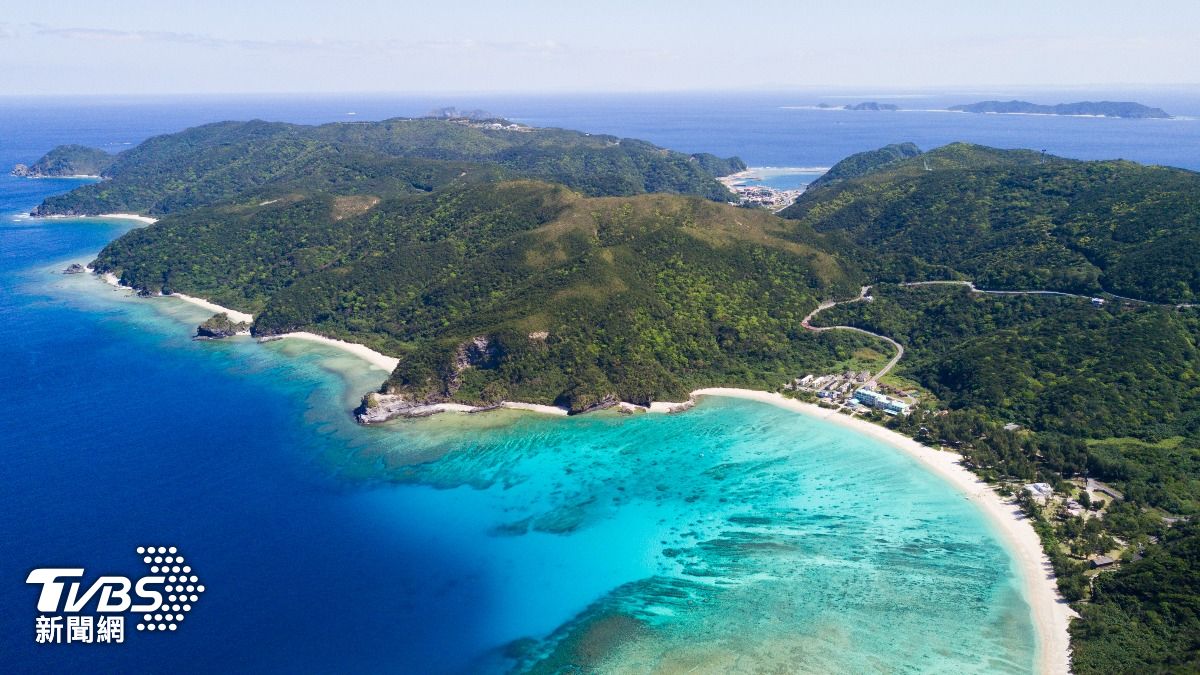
<point x="183" y="587"/>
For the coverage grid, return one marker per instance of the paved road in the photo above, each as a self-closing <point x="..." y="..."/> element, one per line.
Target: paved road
<point x="862" y="295"/>
<point x="976" y="289"/>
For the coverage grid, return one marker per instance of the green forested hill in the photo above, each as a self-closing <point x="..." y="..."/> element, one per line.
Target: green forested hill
<point x="1016" y="220"/>
<point x="862" y="163"/>
<point x="67" y="160"/>
<point x="213" y="163"/>
<point x="639" y="298"/>
<point x="1048" y="363"/>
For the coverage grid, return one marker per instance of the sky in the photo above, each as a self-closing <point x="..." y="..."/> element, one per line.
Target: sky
<point x="243" y="46"/>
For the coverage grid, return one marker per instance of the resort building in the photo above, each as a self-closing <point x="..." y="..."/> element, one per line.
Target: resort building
<point x="1041" y="492"/>
<point x="880" y="401"/>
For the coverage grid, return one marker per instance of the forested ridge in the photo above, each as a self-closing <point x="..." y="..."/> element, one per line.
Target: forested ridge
<point x="213" y="163"/>
<point x="1015" y="219"/>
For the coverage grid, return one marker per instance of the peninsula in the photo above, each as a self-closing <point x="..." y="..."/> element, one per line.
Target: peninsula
<point x="67" y="161"/>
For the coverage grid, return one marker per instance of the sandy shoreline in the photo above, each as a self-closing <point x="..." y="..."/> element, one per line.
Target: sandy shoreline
<point x="214" y="307"/>
<point x="120" y="216"/>
<point x="130" y="216"/>
<point x="1051" y="614"/>
<point x="364" y="352"/>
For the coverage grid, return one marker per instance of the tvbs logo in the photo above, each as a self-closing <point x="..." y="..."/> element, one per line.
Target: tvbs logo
<point x="161" y="598"/>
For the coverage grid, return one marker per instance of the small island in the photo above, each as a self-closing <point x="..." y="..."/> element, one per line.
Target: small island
<point x="67" y="161"/>
<point x="872" y="106"/>
<point x="1122" y="109"/>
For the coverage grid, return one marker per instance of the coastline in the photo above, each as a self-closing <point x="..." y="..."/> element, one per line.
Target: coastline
<point x="120" y="216"/>
<point x="214" y="307"/>
<point x="128" y="216"/>
<point x="377" y="359"/>
<point x="1051" y="614"/>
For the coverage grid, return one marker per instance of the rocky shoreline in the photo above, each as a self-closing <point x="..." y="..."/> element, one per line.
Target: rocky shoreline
<point x="377" y="407"/>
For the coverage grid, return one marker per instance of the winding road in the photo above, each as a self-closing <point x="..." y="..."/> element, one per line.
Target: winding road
<point x="863" y="295"/>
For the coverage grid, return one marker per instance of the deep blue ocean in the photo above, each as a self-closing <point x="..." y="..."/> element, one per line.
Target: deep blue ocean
<point x="433" y="546"/>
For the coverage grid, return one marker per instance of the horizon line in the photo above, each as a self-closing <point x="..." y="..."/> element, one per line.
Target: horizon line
<point x="883" y="90"/>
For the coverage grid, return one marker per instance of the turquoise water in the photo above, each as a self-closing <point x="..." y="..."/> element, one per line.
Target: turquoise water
<point x="736" y="532"/>
<point x="734" y="535"/>
<point x="785" y="179"/>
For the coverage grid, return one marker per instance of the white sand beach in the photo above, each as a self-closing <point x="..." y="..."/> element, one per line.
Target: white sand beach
<point x="214" y="307"/>
<point x="120" y="216"/>
<point x="130" y="216"/>
<point x="364" y="352"/>
<point x="112" y="280"/>
<point x="535" y="407"/>
<point x="1051" y="614"/>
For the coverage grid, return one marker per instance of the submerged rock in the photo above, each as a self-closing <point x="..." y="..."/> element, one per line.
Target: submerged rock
<point x="221" y="326"/>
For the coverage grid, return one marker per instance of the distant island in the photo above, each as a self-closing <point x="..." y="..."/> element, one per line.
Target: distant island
<point x="872" y="106"/>
<point x="866" y="105"/>
<point x="1123" y="109"/>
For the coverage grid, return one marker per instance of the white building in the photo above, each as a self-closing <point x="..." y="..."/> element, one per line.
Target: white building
<point x="875" y="399"/>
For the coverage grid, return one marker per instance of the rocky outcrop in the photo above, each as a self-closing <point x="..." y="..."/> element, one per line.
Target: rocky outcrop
<point x="21" y="171"/>
<point x="377" y="408"/>
<point x="221" y="326"/>
<point x="669" y="407"/>
<point x="608" y="401"/>
<point x="478" y="352"/>
<point x="42" y="211"/>
<point x="74" y="268"/>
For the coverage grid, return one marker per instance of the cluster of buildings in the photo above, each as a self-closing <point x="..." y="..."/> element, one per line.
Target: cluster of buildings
<point x="870" y="398"/>
<point x="833" y="387"/>
<point x="850" y="389"/>
<point x="491" y="124"/>
<point x="764" y="197"/>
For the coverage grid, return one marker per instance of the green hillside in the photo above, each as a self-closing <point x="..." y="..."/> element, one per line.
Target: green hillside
<point x="863" y="163"/>
<point x="214" y="163"/>
<point x="67" y="160"/>
<point x="1013" y="219"/>
<point x="639" y="298"/>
